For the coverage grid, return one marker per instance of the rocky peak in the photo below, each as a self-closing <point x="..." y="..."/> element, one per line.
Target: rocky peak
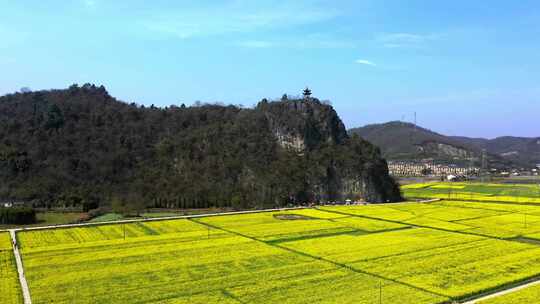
<point x="303" y="124"/>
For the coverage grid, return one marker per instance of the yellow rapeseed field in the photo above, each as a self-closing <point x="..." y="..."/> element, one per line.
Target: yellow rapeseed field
<point x="393" y="253"/>
<point x="9" y="282"/>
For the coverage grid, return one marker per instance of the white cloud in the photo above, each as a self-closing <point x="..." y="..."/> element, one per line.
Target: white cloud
<point x="236" y="17"/>
<point x="404" y="40"/>
<point x="365" y="62"/>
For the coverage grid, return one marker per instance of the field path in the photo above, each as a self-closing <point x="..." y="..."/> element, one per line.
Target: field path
<point x="503" y="292"/>
<point x="20" y="269"/>
<point x="154" y="219"/>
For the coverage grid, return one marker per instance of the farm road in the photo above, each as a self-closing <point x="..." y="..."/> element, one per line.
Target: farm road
<point x="20" y="269"/>
<point x="503" y="292"/>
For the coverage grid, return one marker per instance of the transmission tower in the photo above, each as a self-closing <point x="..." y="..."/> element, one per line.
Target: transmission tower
<point x="414" y="130"/>
<point x="483" y="171"/>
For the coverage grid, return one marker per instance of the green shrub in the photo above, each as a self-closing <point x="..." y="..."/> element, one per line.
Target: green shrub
<point x="17" y="215"/>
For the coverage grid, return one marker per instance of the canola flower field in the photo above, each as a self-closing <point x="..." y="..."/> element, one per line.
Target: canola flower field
<point x="437" y="252"/>
<point x="511" y="193"/>
<point x="9" y="282"/>
<point x="527" y="295"/>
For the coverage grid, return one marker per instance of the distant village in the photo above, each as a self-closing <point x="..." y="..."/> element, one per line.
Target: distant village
<point x="452" y="172"/>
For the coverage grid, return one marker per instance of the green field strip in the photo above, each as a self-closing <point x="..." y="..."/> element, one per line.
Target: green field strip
<point x="148" y="230"/>
<point x="232" y="296"/>
<point x="340" y="265"/>
<point x="500" y="232"/>
<point x="474" y="218"/>
<point x="378" y="231"/>
<point x="493" y="206"/>
<point x="531" y="203"/>
<point x="415" y="251"/>
<point x="505" y="226"/>
<point x="467" y="205"/>
<point x="441" y="208"/>
<point x="316" y="236"/>
<point x="496" y="193"/>
<point x="526" y="240"/>
<point x="415" y="225"/>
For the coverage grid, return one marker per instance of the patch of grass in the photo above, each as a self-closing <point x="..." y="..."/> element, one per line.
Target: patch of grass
<point x="51" y="218"/>
<point x="107" y="217"/>
<point x="510" y="193"/>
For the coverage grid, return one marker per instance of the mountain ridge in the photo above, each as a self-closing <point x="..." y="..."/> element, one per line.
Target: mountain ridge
<point x="403" y="140"/>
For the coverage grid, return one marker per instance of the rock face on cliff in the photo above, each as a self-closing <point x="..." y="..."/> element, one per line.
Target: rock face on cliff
<point x="304" y="124"/>
<point x="80" y="148"/>
<point x="355" y="169"/>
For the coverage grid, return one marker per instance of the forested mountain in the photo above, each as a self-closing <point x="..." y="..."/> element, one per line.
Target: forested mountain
<point x="82" y="148"/>
<point x="402" y="140"/>
<point x="520" y="150"/>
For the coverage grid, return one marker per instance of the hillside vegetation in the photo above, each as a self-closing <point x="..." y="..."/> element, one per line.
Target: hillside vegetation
<point x="81" y="148"/>
<point x="402" y="140"/>
<point x="405" y="141"/>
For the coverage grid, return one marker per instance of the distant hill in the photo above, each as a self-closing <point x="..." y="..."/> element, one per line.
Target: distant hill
<point x="520" y="150"/>
<point x="82" y="148"/>
<point x="402" y="140"/>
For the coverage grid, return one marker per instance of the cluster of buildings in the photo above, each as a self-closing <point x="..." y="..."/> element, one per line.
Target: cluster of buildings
<point x="517" y="172"/>
<point x="453" y="171"/>
<point x="407" y="168"/>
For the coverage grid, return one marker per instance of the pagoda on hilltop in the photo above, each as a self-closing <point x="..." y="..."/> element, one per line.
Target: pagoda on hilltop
<point x="307" y="93"/>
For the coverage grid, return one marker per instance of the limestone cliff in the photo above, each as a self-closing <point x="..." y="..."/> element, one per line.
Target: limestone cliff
<point x="344" y="167"/>
<point x="304" y="124"/>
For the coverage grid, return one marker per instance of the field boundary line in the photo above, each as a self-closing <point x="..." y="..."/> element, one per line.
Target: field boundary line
<point x="319" y="258"/>
<point x="481" y="201"/>
<point x="156" y="219"/>
<point x="178" y="217"/>
<point x="414" y="225"/>
<point x="502" y="291"/>
<point x="20" y="269"/>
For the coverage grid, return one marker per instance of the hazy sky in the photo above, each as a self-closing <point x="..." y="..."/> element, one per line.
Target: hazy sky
<point x="466" y="67"/>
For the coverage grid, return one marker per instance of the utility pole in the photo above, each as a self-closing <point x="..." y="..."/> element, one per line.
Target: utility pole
<point x="483" y="171"/>
<point x="415" y="128"/>
<point x="539" y="190"/>
<point x="380" y="292"/>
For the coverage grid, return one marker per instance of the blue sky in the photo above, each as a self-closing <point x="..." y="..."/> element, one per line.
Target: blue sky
<point x="466" y="67"/>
